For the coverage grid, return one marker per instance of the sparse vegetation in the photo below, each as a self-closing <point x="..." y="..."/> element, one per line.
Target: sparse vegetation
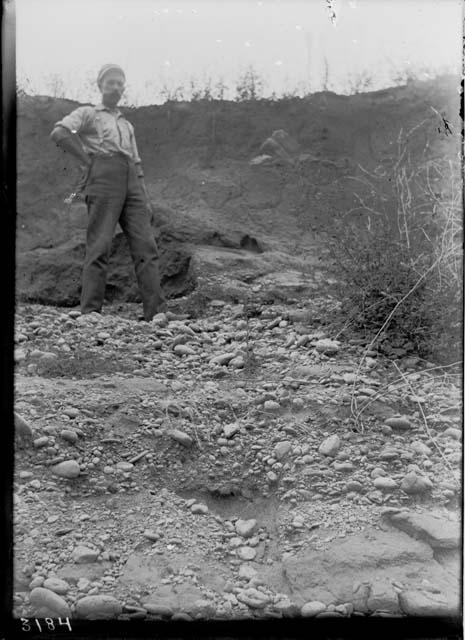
<point x="249" y="86"/>
<point x="197" y="304"/>
<point x="400" y="258"/>
<point x="361" y="82"/>
<point x="83" y="364"/>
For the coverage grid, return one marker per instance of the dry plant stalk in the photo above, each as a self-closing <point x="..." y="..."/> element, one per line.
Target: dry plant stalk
<point x="425" y="422"/>
<point x="416" y="211"/>
<point x="385" y="388"/>
<point x="353" y="401"/>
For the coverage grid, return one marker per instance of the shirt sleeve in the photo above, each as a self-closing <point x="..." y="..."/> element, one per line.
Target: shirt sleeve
<point x="76" y="121"/>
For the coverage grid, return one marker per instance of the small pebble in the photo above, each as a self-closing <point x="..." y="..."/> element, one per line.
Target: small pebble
<point x="330" y="446"/>
<point x="71" y="412"/>
<point x="67" y="469"/>
<point x="271" y="406"/>
<point x="83" y="555"/>
<point x="98" y="607"/>
<point x="181" y="437"/>
<point x="311" y="609"/>
<point x="41" y="442"/>
<point x="415" y="484"/>
<point x="56" y="585"/>
<point x="199" y="508"/>
<point x="401" y="423"/>
<point x="247" y="553"/>
<point x="385" y="483"/>
<point x="69" y="436"/>
<point x="245" y="528"/>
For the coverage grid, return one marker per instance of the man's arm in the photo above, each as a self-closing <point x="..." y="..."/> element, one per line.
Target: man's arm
<point x="70" y="142"/>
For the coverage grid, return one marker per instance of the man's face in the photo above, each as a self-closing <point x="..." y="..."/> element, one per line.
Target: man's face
<point x="112" y="87"/>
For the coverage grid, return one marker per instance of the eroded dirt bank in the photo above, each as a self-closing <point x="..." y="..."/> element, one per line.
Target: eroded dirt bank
<point x="214" y="210"/>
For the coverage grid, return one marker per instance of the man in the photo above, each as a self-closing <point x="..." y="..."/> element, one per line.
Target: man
<point x="113" y="184"/>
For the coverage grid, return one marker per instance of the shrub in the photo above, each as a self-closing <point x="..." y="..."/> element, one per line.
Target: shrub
<point x="399" y="260"/>
<point x="196" y="304"/>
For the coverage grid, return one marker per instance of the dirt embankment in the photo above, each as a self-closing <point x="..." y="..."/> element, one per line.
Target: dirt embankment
<point x="214" y="211"/>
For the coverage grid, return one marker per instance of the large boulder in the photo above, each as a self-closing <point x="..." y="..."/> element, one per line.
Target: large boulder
<point x="438" y="532"/>
<point x="52" y="275"/>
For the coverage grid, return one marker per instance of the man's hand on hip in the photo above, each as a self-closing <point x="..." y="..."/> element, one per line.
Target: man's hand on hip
<point x="70" y="142"/>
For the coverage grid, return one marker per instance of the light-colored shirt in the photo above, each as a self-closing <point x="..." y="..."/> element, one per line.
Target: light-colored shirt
<point x="102" y="131"/>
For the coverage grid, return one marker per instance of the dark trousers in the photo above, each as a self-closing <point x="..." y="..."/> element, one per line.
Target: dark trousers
<point x="113" y="194"/>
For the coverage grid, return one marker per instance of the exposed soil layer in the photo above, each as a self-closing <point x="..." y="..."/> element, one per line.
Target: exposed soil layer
<point x="210" y="201"/>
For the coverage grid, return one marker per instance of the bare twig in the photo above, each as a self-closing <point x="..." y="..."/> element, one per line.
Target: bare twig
<point x="385" y="388"/>
<point x="425" y="422"/>
<point x="197" y="439"/>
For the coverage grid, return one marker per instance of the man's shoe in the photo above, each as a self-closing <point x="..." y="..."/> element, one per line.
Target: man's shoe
<point x="163" y="308"/>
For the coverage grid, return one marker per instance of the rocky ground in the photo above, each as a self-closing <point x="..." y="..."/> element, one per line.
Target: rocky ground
<point x="207" y="465"/>
<point x="241" y="456"/>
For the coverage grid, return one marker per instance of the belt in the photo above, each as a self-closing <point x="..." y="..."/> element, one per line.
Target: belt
<point x="117" y="154"/>
<point x="79" y="189"/>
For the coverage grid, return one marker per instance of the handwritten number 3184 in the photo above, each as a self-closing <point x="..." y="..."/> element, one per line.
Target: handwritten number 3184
<point x="50" y="624"/>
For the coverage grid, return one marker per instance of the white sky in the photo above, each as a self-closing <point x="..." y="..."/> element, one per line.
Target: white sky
<point x="286" y="41"/>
